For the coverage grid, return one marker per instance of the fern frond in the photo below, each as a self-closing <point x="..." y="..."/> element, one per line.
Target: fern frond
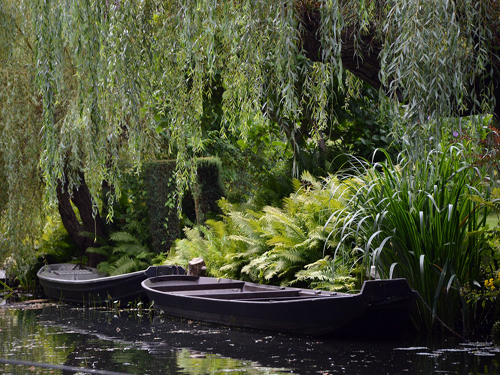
<point x="124" y="265"/>
<point x="123" y="237"/>
<point x="103" y="250"/>
<point x="104" y="267"/>
<point x="131" y="249"/>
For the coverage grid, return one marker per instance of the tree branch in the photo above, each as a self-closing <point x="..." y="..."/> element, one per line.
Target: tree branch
<point x="363" y="59"/>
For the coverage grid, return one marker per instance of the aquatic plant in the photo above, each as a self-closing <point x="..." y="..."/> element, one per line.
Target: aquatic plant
<point x="420" y="219"/>
<point x="495" y="333"/>
<point x="5" y="291"/>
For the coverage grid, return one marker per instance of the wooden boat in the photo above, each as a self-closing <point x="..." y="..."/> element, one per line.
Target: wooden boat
<point x="381" y="305"/>
<point x="79" y="284"/>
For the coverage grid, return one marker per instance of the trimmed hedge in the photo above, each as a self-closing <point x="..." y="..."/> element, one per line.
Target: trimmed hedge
<point x="208" y="189"/>
<point x="159" y="182"/>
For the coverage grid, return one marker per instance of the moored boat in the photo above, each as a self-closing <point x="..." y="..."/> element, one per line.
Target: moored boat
<point x="381" y="305"/>
<point x="79" y="284"/>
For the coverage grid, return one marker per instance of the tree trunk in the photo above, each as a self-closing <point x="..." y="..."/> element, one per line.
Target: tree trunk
<point x="82" y="199"/>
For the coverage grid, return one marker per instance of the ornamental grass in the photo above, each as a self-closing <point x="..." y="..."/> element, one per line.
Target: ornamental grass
<point x="420" y="219"/>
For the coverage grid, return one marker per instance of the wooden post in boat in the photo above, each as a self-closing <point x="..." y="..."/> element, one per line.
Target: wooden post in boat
<point x="197" y="267"/>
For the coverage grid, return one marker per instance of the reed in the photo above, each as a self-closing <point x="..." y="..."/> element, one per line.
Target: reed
<point x="6" y="291"/>
<point x="420" y="219"/>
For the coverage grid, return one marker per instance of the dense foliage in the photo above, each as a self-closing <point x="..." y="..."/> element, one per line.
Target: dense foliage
<point x="99" y="77"/>
<point x="421" y="219"/>
<point x="274" y="245"/>
<point x="89" y="88"/>
<point x="124" y="254"/>
<point x="159" y="183"/>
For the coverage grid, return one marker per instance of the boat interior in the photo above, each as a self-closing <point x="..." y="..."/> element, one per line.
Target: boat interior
<point x="238" y="290"/>
<point x="77" y="275"/>
<point x="73" y="273"/>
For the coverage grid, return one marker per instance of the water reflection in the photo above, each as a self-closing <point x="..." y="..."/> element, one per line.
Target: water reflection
<point x="124" y="342"/>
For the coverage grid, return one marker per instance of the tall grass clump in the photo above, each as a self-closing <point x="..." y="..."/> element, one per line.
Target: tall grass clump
<point x="420" y="219"/>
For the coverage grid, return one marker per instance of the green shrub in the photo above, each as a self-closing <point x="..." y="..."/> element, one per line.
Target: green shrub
<point x="484" y="302"/>
<point x="226" y="245"/>
<point x="129" y="210"/>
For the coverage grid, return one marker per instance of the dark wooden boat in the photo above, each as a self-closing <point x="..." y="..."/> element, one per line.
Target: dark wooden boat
<point x="381" y="305"/>
<point x="79" y="284"/>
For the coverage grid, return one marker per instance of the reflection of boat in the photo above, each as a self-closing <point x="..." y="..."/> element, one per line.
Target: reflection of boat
<point x="80" y="284"/>
<point x="380" y="305"/>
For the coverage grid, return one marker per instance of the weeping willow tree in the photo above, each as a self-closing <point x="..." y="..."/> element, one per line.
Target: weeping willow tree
<point x="88" y="84"/>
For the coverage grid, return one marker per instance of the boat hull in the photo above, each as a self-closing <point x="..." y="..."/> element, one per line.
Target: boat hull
<point x="85" y="285"/>
<point x="381" y="305"/>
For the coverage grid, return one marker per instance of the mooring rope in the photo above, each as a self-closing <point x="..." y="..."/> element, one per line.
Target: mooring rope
<point x="439" y="319"/>
<point x="59" y="367"/>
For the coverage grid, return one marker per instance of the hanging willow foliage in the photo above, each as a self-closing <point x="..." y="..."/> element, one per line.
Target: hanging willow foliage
<point x="86" y="83"/>
<point x="21" y="197"/>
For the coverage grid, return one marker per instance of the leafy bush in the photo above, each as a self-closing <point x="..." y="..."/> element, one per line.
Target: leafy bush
<point x="484" y="302"/>
<point x="227" y="245"/>
<point x="55" y="246"/>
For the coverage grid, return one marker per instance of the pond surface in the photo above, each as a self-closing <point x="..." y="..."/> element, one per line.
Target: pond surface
<point x="75" y="340"/>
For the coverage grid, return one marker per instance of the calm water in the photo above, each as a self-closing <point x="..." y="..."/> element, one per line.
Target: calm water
<point x="125" y="343"/>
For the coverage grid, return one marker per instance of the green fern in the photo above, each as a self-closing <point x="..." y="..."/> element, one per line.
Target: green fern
<point x="124" y="254"/>
<point x="320" y="275"/>
<point x="123" y="237"/>
<point x="103" y="250"/>
<point x="271" y="245"/>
